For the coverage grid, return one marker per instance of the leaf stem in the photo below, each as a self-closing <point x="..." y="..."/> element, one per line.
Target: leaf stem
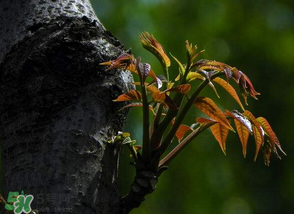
<point x="183" y="113"/>
<point x="177" y="100"/>
<point x="155" y="142"/>
<point x="181" y="116"/>
<point x="169" y="157"/>
<point x="146" y="146"/>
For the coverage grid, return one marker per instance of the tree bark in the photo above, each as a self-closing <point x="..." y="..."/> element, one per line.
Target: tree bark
<point x="56" y="109"/>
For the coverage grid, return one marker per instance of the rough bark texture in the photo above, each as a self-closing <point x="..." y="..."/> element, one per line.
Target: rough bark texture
<point x="56" y="109"/>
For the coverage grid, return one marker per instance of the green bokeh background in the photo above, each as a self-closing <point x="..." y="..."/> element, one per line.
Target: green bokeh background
<point x="256" y="36"/>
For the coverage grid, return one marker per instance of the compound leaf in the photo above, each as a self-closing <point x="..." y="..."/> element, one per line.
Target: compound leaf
<point x="208" y="107"/>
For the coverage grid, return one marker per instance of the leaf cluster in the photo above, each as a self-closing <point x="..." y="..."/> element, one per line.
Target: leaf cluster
<point x="166" y="103"/>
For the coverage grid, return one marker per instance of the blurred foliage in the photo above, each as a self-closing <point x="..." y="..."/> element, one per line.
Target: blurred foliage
<point x="256" y="36"/>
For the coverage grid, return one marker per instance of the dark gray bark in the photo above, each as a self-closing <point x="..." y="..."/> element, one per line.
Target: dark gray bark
<point x="56" y="109"/>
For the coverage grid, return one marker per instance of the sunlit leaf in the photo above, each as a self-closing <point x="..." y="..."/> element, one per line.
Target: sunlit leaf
<point x="161" y="97"/>
<point x="216" y="63"/>
<point x="183" y="89"/>
<point x="192" y="51"/>
<point x="243" y="134"/>
<point x="155" y="78"/>
<point x="220" y="133"/>
<point x="257" y="131"/>
<point x="194" y="75"/>
<point x="178" y="77"/>
<point x="229" y="89"/>
<point x="152" y="45"/>
<point x="138" y="105"/>
<point x="153" y="90"/>
<point x="131" y="95"/>
<point x="241" y="118"/>
<point x="182" y="130"/>
<point x="270" y="133"/>
<point x="214" y="89"/>
<point x="209" y="67"/>
<point x="208" y="107"/>
<point x="181" y="66"/>
<point x="258" y="140"/>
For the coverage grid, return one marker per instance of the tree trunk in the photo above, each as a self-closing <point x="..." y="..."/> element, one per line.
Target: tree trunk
<point x="56" y="109"/>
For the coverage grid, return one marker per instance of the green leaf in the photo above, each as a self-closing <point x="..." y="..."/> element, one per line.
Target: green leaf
<point x="181" y="66"/>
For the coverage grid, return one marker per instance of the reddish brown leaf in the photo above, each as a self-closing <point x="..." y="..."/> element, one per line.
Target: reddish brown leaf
<point x="258" y="140"/>
<point x="202" y="120"/>
<point x="194" y="75"/>
<point x="161" y="97"/>
<point x="247" y="87"/>
<point x="241" y="118"/>
<point x="156" y="79"/>
<point x="208" y="107"/>
<point x="138" y="105"/>
<point x="243" y="126"/>
<point x="229" y="89"/>
<point x="216" y="63"/>
<point x="257" y="131"/>
<point x="152" y="45"/>
<point x="243" y="133"/>
<point x="131" y="95"/>
<point x="182" y="130"/>
<point x="124" y="61"/>
<point x="220" y="133"/>
<point x="183" y="89"/>
<point x="271" y="134"/>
